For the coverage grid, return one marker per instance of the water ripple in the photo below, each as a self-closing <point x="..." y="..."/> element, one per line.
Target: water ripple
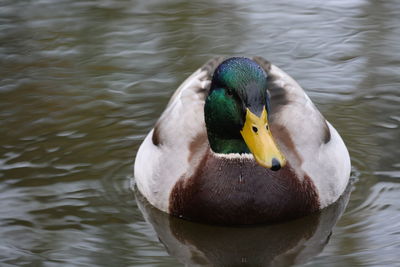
<point x="82" y="82"/>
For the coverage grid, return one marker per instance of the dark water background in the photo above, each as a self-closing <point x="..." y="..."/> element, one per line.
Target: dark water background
<point x="82" y="82"/>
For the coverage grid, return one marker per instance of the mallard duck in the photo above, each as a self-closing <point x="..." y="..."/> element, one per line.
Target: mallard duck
<point x="240" y="142"/>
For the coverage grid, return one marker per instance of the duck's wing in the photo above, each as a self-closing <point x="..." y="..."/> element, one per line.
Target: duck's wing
<point x="184" y="114"/>
<point x="204" y="75"/>
<point x="311" y="144"/>
<point x="178" y="138"/>
<point x="290" y="105"/>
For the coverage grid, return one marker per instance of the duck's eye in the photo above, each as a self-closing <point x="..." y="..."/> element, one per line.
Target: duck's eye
<point x="229" y="91"/>
<point x="267" y="127"/>
<point x="255" y="129"/>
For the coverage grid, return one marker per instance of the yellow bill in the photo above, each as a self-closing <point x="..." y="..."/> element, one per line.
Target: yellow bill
<point x="258" y="138"/>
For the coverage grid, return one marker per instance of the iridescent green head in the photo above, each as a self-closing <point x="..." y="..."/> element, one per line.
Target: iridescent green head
<point x="236" y="112"/>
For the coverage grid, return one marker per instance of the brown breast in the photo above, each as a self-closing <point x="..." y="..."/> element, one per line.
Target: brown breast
<point x="239" y="191"/>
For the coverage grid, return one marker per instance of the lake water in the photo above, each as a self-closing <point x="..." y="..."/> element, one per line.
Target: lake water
<point x="82" y="82"/>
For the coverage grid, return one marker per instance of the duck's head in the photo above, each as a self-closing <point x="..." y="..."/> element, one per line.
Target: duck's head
<point x="236" y="112"/>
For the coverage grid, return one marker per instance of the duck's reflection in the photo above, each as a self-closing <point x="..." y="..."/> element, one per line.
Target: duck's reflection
<point x="281" y="244"/>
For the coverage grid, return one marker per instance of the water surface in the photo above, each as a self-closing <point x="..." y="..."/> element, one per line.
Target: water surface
<point x="82" y="82"/>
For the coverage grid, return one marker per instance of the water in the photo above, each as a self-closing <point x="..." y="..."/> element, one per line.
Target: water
<point x="82" y="82"/>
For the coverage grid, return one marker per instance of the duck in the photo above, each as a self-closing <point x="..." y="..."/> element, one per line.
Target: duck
<point x="240" y="143"/>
